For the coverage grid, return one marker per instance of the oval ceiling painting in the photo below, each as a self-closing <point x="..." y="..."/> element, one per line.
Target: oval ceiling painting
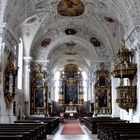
<point x="45" y="42"/>
<point x="109" y="19"/>
<point x="70" y="31"/>
<point x="95" y="42"/>
<point x="71" y="8"/>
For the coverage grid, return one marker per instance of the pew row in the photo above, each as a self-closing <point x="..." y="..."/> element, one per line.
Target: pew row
<point x="91" y="122"/>
<point x="51" y="123"/>
<point x="22" y="131"/>
<point x="118" y="131"/>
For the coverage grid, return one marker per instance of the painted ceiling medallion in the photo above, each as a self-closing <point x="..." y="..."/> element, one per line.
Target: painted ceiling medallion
<point x="45" y="42"/>
<point x="109" y="19"/>
<point x="71" y="8"/>
<point x="31" y="20"/>
<point x="95" y="42"/>
<point x="70" y="31"/>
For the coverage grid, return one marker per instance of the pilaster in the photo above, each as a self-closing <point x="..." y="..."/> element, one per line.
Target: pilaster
<point x="136" y="117"/>
<point x="115" y="107"/>
<point x="133" y="42"/>
<point x="26" y="85"/>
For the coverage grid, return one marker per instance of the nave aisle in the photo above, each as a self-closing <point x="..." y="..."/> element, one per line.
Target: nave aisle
<point x="87" y="134"/>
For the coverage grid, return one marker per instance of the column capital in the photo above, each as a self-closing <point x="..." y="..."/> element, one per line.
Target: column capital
<point x="27" y="60"/>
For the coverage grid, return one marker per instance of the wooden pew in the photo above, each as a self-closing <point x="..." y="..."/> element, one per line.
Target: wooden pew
<point x="12" y="137"/>
<point x="130" y="136"/>
<point x="104" y="125"/>
<point x="91" y="122"/>
<point x="43" y="130"/>
<point x="34" y="131"/>
<point x="117" y="133"/>
<point x="111" y="131"/>
<point x="52" y="123"/>
<point x="26" y="135"/>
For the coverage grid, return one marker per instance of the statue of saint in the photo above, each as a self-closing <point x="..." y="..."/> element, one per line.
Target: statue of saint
<point x="122" y="45"/>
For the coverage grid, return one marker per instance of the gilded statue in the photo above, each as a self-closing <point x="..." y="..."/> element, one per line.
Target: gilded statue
<point x="9" y="80"/>
<point x="122" y="45"/>
<point x="38" y="67"/>
<point x="123" y="57"/>
<point x="102" y="75"/>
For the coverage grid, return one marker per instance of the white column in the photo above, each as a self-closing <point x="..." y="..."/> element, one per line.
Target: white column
<point x="90" y="88"/>
<point x="87" y="89"/>
<point x="93" y="89"/>
<point x="26" y="84"/>
<point x="115" y="107"/>
<point x="20" y="66"/>
<point x="5" y="114"/>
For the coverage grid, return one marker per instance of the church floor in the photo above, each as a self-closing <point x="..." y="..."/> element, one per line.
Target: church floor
<point x="58" y="136"/>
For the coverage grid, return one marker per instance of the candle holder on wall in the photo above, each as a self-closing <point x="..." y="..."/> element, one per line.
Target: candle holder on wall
<point x="125" y="68"/>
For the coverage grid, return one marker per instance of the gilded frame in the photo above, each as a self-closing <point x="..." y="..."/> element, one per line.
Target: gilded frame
<point x="38" y="91"/>
<point x="9" y="80"/>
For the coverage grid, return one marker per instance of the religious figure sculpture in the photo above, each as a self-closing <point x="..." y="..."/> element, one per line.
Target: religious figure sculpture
<point x="122" y="45"/>
<point x="124" y="61"/>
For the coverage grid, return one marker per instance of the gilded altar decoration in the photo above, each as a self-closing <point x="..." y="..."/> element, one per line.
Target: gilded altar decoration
<point x="38" y="92"/>
<point x="9" y="80"/>
<point x="71" y="91"/>
<point x="45" y="42"/>
<point x="102" y="91"/>
<point x="71" y="8"/>
<point x="125" y="68"/>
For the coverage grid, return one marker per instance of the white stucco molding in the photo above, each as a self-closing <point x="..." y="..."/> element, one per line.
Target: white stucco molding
<point x="133" y="38"/>
<point x="9" y="34"/>
<point x="27" y="61"/>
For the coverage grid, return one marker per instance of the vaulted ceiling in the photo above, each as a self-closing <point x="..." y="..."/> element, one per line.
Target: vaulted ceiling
<point x="50" y="34"/>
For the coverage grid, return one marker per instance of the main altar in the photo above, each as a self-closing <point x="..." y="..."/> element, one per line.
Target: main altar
<point x="71" y="111"/>
<point x="71" y="90"/>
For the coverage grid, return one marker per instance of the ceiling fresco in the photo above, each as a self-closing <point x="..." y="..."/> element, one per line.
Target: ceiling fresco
<point x="70" y="8"/>
<point x="47" y="27"/>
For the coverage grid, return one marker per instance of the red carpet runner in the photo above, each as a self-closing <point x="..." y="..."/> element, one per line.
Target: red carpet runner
<point x="72" y="129"/>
